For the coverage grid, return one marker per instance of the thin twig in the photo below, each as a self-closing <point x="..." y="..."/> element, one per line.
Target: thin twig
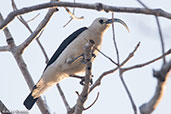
<point x="93" y="102"/>
<point x="159" y="29"/>
<point x="98" y="81"/>
<point x="68" y="22"/>
<point x="72" y="15"/>
<point x="146" y="63"/>
<point x="140" y="2"/>
<point x="63" y="98"/>
<point x="161" y="39"/>
<point x="38" y="30"/>
<point x="22" y="20"/>
<point x="4" y="48"/>
<point x="33" y="18"/>
<point x="120" y="70"/>
<point x="106" y="56"/>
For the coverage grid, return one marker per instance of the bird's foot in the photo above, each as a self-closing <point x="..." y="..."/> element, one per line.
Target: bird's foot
<point x="82" y="82"/>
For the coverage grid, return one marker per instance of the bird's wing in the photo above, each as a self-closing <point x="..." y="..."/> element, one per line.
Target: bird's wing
<point x="64" y="44"/>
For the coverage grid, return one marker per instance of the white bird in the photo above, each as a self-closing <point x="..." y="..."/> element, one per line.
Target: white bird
<point x="63" y="62"/>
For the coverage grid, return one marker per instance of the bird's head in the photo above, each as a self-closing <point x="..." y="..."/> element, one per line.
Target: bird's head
<point x="102" y="24"/>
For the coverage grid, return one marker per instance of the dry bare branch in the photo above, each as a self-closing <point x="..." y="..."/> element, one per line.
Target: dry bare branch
<point x="51" y="11"/>
<point x="98" y="81"/>
<point x="159" y="29"/>
<point x="146" y="63"/>
<point x="93" y="102"/>
<point x="63" y="98"/>
<point x="110" y="59"/>
<point x="120" y="70"/>
<point x="33" y="18"/>
<point x="4" y="48"/>
<point x="23" y="67"/>
<point x="84" y="94"/>
<point x="97" y="6"/>
<point x="22" y="20"/>
<point x="72" y="14"/>
<point x="38" y="30"/>
<point x="163" y="74"/>
<point x="3" y="108"/>
<point x="161" y="39"/>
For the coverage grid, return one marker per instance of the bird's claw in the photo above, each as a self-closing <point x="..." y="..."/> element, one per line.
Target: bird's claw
<point x="82" y="82"/>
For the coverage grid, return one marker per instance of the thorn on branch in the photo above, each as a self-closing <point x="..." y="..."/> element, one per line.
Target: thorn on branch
<point x="77" y="93"/>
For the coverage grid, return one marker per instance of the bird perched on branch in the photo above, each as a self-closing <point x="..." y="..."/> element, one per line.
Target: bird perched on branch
<point x="68" y="59"/>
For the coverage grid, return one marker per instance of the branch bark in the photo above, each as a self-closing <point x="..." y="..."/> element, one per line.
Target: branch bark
<point x="97" y="6"/>
<point x="3" y="108"/>
<point x="162" y="77"/>
<point x="4" y="48"/>
<point x="84" y="94"/>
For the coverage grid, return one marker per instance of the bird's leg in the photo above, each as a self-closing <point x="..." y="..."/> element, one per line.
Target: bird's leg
<point x="93" y="56"/>
<point x="82" y="82"/>
<point x="70" y="61"/>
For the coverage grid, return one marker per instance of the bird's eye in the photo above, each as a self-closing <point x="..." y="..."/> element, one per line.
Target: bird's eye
<point x="101" y="21"/>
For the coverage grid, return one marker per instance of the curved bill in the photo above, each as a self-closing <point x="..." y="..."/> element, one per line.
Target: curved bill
<point x="119" y="21"/>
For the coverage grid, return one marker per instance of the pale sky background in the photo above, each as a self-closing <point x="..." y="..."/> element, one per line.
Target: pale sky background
<point x="113" y="98"/>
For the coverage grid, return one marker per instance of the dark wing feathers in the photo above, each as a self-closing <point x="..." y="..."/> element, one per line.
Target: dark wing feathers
<point x="64" y="44"/>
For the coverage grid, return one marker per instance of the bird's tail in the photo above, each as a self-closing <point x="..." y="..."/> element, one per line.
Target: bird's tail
<point x="30" y="101"/>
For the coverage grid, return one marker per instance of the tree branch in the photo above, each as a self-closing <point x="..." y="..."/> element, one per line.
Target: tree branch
<point x="159" y="29"/>
<point x="163" y="74"/>
<point x="146" y="63"/>
<point x="4" y="48"/>
<point x="161" y="39"/>
<point x="120" y="70"/>
<point x="3" y="108"/>
<point x="97" y="6"/>
<point x="38" y="30"/>
<point x="22" y="20"/>
<point x="84" y="94"/>
<point x="98" y="81"/>
<point x="23" y="67"/>
<point x="93" y="102"/>
<point x="63" y="98"/>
